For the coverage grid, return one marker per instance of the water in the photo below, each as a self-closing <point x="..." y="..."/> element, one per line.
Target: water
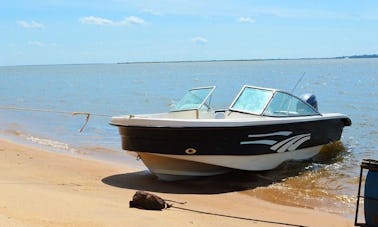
<point x="328" y="182"/>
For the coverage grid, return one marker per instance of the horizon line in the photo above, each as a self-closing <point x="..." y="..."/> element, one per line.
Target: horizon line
<point x="214" y="60"/>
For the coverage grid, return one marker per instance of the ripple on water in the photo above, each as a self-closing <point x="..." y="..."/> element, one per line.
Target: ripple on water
<point x="322" y="183"/>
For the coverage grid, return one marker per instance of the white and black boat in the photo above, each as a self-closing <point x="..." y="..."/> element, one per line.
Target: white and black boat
<point x="261" y="129"/>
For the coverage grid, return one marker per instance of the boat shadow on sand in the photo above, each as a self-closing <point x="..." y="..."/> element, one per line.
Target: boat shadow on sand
<point x="230" y="182"/>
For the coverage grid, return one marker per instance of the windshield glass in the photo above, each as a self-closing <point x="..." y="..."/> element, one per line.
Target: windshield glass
<point x="284" y="104"/>
<point x="252" y="100"/>
<point x="195" y="99"/>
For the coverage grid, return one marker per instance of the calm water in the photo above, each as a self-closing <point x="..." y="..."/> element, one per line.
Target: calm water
<point x="329" y="182"/>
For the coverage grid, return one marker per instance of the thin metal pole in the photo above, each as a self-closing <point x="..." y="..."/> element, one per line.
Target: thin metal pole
<point x="358" y="199"/>
<point x="300" y="79"/>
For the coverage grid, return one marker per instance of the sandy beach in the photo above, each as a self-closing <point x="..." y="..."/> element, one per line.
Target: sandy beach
<point x="42" y="188"/>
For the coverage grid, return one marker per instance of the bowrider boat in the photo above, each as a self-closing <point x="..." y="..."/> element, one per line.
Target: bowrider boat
<point x="262" y="128"/>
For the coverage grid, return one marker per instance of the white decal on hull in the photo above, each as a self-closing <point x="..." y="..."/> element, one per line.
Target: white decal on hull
<point x="296" y="141"/>
<point x="282" y="133"/>
<point x="265" y="142"/>
<point x="289" y="144"/>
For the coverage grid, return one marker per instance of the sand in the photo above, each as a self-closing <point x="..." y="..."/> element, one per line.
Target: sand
<point x="43" y="188"/>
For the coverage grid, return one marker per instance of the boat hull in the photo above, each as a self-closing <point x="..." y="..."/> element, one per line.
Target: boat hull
<point x="178" y="167"/>
<point x="170" y="168"/>
<point x="173" y="152"/>
<point x="239" y="140"/>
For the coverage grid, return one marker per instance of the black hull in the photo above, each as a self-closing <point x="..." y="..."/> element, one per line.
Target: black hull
<point x="236" y="140"/>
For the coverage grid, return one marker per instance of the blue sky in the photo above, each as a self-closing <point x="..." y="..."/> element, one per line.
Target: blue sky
<point x="93" y="31"/>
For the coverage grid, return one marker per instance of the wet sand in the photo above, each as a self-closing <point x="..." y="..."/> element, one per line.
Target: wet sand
<point x="42" y="188"/>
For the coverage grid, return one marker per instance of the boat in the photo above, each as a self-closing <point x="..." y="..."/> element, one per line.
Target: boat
<point x="262" y="128"/>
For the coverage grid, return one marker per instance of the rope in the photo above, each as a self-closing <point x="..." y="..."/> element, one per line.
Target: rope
<point x="236" y="217"/>
<point x="88" y="114"/>
<point x="50" y="111"/>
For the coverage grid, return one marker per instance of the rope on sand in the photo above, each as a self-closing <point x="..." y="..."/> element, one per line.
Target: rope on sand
<point x="236" y="217"/>
<point x="87" y="114"/>
<point x="149" y="201"/>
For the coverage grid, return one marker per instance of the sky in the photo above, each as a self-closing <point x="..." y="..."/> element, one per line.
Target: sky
<point x="93" y="31"/>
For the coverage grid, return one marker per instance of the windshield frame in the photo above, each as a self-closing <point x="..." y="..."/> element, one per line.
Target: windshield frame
<point x="268" y="101"/>
<point x="200" y="105"/>
<point x="277" y="92"/>
<point x="232" y="108"/>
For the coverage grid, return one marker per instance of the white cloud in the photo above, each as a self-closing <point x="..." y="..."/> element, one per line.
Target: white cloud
<point x="133" y="20"/>
<point x="104" y="21"/>
<point x="36" y="43"/>
<point x="30" y="25"/>
<point x="152" y="12"/>
<point x="95" y="20"/>
<point x="199" y="40"/>
<point x="246" y="20"/>
<point x="40" y="44"/>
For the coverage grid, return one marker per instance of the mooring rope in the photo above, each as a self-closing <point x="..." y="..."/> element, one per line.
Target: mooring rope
<point x="87" y="114"/>
<point x="49" y="111"/>
<point x="236" y="217"/>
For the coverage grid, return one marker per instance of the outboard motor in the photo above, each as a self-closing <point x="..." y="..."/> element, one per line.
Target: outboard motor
<point x="310" y="99"/>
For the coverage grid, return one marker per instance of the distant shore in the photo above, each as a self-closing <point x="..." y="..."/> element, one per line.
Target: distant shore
<point x="257" y="59"/>
<point x="205" y="61"/>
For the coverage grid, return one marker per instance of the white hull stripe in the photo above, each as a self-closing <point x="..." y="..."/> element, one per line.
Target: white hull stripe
<point x="282" y="133"/>
<point x="297" y="144"/>
<point x="265" y="142"/>
<point x="289" y="144"/>
<point x="245" y="162"/>
<point x="286" y="144"/>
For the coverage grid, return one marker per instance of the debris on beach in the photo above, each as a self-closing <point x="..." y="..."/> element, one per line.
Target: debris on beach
<point x="148" y="201"/>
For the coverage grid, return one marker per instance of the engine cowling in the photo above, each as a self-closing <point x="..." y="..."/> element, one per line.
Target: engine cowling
<point x="310" y="99"/>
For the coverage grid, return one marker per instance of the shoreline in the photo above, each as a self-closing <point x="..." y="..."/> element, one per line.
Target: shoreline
<point x="42" y="188"/>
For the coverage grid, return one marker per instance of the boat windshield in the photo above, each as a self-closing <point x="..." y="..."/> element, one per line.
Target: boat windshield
<point x="284" y="104"/>
<point x="195" y="99"/>
<point x="270" y="102"/>
<point x="252" y="100"/>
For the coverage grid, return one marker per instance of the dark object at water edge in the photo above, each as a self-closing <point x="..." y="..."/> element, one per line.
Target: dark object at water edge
<point x="370" y="194"/>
